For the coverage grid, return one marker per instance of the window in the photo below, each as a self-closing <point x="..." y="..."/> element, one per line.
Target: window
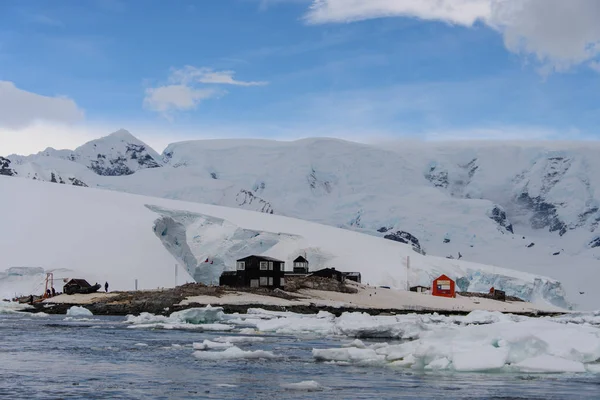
<point x="270" y="265"/>
<point x="263" y="265"/>
<point x="282" y="267"/>
<point x="254" y="283"/>
<point x="263" y="281"/>
<point x="281" y="282"/>
<point x="241" y="265"/>
<point x="270" y="281"/>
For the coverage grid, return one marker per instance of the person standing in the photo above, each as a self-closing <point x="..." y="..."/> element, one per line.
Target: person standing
<point x="106" y="287"/>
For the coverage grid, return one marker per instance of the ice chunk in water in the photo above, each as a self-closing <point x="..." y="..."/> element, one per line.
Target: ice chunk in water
<point x="77" y="311"/>
<point x="204" y="315"/>
<point x="233" y="353"/>
<point x="309" y="386"/>
<point x="209" y="345"/>
<point x="549" y="364"/>
<point x="349" y="354"/>
<point x="481" y="358"/>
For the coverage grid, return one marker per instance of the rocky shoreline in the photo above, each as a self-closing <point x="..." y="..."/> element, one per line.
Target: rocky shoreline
<point x="167" y="301"/>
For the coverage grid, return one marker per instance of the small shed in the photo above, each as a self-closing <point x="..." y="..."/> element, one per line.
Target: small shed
<point x="496" y="294"/>
<point x="419" y="289"/>
<point x="443" y="286"/>
<point x="330" y="273"/>
<point x="300" y="265"/>
<point x="352" y="276"/>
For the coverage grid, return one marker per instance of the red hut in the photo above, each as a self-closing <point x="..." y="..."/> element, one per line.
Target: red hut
<point x="444" y="287"/>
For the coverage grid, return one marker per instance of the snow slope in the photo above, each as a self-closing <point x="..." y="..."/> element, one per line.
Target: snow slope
<point x="532" y="207"/>
<point x="105" y="235"/>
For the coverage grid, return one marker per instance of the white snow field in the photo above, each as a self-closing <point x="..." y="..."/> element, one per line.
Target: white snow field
<point x="109" y="236"/>
<point x="481" y="341"/>
<point x="532" y="207"/>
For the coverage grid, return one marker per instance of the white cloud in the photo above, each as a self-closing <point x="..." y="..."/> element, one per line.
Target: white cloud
<point x="558" y="33"/>
<point x="187" y="87"/>
<point x="190" y="74"/>
<point x="40" y="135"/>
<point x="165" y="99"/>
<point x="595" y="65"/>
<point x="20" y="108"/>
<point x="463" y="12"/>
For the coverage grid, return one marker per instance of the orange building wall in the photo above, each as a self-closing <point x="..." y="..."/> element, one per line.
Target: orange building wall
<point x="444" y="287"/>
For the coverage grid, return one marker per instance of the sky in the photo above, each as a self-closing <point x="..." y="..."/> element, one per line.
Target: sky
<point x="362" y="70"/>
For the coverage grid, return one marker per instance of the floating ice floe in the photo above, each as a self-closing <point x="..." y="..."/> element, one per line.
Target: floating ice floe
<point x="309" y="386"/>
<point x="10" y="307"/>
<point x="40" y="314"/>
<point x="478" y="342"/>
<point x="203" y="319"/>
<point x="530" y="345"/>
<point x="238" y="339"/>
<point x="233" y="353"/>
<point x="210" y="345"/>
<point x="77" y="311"/>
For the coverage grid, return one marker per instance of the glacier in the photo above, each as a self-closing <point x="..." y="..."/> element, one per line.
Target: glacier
<point x="104" y="235"/>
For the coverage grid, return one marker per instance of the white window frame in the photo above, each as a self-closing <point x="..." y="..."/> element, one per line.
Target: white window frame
<point x="264" y="281"/>
<point x="282" y="267"/>
<point x="270" y="281"/>
<point x="281" y="281"/>
<point x="254" y="283"/>
<point x="270" y="265"/>
<point x="241" y="265"/>
<point x="264" y="265"/>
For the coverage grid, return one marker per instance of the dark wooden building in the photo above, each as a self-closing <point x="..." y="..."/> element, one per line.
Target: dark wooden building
<point x="230" y="278"/>
<point x="330" y="273"/>
<point x="300" y="265"/>
<point x="352" y="276"/>
<point x="255" y="271"/>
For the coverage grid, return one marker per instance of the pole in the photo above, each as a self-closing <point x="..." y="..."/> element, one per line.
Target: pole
<point x="175" y="275"/>
<point x="136" y="284"/>
<point x="407" y="268"/>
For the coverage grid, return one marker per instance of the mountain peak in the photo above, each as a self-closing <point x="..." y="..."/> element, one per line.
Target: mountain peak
<point x="123" y="134"/>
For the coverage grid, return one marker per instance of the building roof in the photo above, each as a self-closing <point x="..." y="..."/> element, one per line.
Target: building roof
<point x="444" y="277"/>
<point x="332" y="270"/>
<point x="301" y="259"/>
<point x="264" y="258"/>
<point x="352" y="273"/>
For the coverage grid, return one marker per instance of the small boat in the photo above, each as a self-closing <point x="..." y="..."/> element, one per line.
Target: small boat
<point x="80" y="286"/>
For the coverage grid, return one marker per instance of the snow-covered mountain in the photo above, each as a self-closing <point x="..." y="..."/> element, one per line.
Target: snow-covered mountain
<point x="526" y="206"/>
<point x="120" y="153"/>
<point x="108" y="236"/>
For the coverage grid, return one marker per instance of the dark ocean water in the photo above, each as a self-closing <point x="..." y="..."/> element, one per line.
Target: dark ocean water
<point x="50" y="358"/>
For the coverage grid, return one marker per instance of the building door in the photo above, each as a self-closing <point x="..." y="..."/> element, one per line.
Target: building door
<point x="253" y="282"/>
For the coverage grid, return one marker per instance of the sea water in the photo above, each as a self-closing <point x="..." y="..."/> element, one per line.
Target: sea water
<point x="50" y="357"/>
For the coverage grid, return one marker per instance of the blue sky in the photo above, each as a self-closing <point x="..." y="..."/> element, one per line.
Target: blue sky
<point x="180" y="70"/>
